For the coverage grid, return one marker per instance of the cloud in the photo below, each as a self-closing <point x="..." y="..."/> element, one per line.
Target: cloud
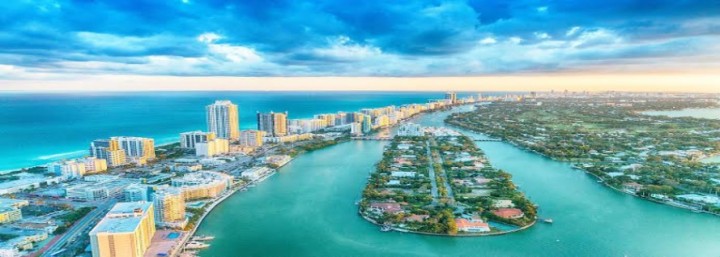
<point x="342" y="38"/>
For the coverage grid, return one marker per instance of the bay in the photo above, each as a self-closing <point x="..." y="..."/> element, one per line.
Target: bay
<point x="308" y="209"/>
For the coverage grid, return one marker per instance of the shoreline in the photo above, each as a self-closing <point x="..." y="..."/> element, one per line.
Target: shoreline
<point x="499" y="233"/>
<point x="589" y="173"/>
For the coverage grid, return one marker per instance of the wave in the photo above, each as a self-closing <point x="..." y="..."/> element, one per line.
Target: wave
<point x="62" y="155"/>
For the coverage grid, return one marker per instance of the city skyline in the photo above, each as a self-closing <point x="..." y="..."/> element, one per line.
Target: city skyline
<point x="306" y="45"/>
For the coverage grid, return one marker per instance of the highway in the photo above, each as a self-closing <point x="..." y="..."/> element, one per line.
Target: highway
<point x="82" y="226"/>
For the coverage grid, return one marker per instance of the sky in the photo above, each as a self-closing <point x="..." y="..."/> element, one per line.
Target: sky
<point x="634" y="45"/>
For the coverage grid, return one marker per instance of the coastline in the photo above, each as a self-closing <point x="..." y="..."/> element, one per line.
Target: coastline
<point x="499" y="233"/>
<point x="589" y="173"/>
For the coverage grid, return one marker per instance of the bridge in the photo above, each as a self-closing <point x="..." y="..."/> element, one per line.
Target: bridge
<point x="373" y="138"/>
<point x="487" y="140"/>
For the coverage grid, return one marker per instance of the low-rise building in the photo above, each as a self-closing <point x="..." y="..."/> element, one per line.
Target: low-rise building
<point x="471" y="226"/>
<point x="9" y="214"/>
<point x="256" y="173"/>
<point x="202" y="184"/>
<point x="213" y="147"/>
<point x="277" y="160"/>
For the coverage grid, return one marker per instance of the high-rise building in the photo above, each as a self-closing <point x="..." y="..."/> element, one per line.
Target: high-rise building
<point x="137" y="149"/>
<point x="126" y="231"/>
<point x="451" y="97"/>
<point x="274" y="123"/>
<point x="223" y="120"/>
<point x="108" y="149"/>
<point x="252" y="138"/>
<point x="170" y="207"/>
<point x="366" y="124"/>
<point x="189" y="139"/>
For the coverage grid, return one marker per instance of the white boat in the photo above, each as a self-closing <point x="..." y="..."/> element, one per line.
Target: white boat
<point x="385" y="228"/>
<point x="202" y="238"/>
<point x="196" y="245"/>
<point x="548" y="220"/>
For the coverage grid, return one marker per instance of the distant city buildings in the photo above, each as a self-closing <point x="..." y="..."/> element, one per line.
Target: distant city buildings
<point x="451" y="97"/>
<point x="223" y="120"/>
<point x="126" y="230"/>
<point x="274" y="124"/>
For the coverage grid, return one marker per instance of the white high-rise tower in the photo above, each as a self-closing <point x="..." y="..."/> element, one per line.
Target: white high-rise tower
<point x="223" y="120"/>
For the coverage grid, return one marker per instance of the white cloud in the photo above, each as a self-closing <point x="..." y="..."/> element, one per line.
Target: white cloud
<point x="237" y="54"/>
<point x="542" y="9"/>
<point x="488" y="41"/>
<point x="596" y="37"/>
<point x="342" y="47"/>
<point x="208" y="37"/>
<point x="515" y="40"/>
<point x="542" y="35"/>
<point x="572" y="31"/>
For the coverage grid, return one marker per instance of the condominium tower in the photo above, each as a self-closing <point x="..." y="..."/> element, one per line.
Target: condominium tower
<point x="223" y="120"/>
<point x="274" y="124"/>
<point x="126" y="231"/>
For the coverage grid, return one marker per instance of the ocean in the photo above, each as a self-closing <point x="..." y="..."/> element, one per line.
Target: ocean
<point x="38" y="128"/>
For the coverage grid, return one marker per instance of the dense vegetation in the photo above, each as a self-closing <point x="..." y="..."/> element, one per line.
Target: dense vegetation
<point x="613" y="140"/>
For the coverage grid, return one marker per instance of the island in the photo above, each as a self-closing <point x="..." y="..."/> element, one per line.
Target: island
<point x="440" y="183"/>
<point x="658" y="158"/>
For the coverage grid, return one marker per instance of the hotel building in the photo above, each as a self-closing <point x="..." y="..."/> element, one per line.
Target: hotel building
<point x="170" y="207"/>
<point x="125" y="231"/>
<point x="274" y="124"/>
<point x="223" y="119"/>
<point x="108" y="149"/>
<point x="189" y="139"/>
<point x="252" y="138"/>
<point x="202" y="184"/>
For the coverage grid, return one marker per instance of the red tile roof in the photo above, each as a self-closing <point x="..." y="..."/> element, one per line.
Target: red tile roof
<point x="463" y="224"/>
<point x="509" y="213"/>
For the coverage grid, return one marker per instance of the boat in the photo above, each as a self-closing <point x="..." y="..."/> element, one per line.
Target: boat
<point x="548" y="220"/>
<point x="385" y="228"/>
<point x="202" y="238"/>
<point x="196" y="245"/>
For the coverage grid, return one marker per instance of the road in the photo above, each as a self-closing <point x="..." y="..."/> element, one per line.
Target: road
<point x="433" y="183"/>
<point x="81" y="226"/>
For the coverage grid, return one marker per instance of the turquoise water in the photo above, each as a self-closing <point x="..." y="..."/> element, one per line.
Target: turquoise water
<point x="308" y="210"/>
<point x="173" y="235"/>
<point x="37" y="128"/>
<point x="709" y="113"/>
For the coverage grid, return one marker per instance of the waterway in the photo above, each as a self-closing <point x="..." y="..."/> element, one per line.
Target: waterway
<point x="705" y="113"/>
<point x="308" y="209"/>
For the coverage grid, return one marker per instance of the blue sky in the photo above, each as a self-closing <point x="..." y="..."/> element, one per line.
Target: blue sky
<point x="57" y="39"/>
